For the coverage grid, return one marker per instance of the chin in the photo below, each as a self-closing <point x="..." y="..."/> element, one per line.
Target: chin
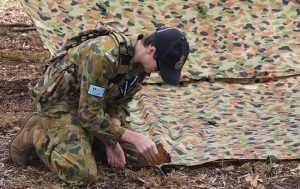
<point x="147" y="71"/>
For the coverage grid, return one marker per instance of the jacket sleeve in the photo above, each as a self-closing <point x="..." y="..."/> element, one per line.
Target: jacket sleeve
<point x="94" y="73"/>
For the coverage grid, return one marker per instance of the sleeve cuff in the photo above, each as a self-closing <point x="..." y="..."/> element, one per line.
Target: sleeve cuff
<point x="119" y="112"/>
<point x="117" y="131"/>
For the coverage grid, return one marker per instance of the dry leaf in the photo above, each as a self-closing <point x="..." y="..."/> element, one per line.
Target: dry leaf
<point x="254" y="183"/>
<point x="13" y="130"/>
<point x="213" y="180"/>
<point x="253" y="179"/>
<point x="202" y="186"/>
<point x="248" y="178"/>
<point x="164" y="156"/>
<point x="297" y="169"/>
<point x="202" y="176"/>
<point x="276" y="165"/>
<point x="229" y="168"/>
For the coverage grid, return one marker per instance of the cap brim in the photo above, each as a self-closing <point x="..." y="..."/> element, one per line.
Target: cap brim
<point x="172" y="78"/>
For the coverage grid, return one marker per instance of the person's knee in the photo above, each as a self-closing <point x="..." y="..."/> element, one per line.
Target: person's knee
<point x="74" y="170"/>
<point x="83" y="176"/>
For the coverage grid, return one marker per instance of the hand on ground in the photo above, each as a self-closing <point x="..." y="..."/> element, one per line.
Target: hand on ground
<point x="115" y="156"/>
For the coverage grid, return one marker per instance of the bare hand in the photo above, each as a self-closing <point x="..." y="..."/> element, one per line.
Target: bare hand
<point x="144" y="146"/>
<point x="116" y="121"/>
<point x="147" y="148"/>
<point x="115" y="156"/>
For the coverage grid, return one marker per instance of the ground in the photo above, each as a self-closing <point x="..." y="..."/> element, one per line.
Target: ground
<point x="21" y="60"/>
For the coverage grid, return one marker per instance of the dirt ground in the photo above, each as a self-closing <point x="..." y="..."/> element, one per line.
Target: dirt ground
<point x="21" y="59"/>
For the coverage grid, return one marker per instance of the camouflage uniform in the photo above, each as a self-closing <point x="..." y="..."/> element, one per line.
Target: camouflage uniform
<point x="73" y="115"/>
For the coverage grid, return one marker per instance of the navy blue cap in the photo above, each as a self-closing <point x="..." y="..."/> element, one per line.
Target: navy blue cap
<point x="172" y="50"/>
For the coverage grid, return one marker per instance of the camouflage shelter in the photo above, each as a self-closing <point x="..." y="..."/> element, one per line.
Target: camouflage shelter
<point x="239" y="96"/>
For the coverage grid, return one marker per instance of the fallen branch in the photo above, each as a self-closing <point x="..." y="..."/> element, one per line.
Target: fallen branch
<point x="24" y="29"/>
<point x="15" y="25"/>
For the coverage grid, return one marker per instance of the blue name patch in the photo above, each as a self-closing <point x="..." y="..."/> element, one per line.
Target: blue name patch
<point x="96" y="91"/>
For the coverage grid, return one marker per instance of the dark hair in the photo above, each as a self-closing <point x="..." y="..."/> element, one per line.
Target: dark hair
<point x="148" y="39"/>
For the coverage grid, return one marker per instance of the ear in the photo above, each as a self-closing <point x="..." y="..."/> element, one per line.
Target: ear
<point x="151" y="49"/>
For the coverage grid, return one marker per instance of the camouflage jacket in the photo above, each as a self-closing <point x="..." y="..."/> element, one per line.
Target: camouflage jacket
<point x="85" y="88"/>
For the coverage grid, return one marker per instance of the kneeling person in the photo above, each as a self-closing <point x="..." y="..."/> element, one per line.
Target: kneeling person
<point x="82" y="99"/>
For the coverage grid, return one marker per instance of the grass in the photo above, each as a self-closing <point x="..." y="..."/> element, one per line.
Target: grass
<point x="10" y="4"/>
<point x="11" y="54"/>
<point x="10" y="121"/>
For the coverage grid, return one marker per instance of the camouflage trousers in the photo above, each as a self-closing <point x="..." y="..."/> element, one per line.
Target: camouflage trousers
<point x="68" y="150"/>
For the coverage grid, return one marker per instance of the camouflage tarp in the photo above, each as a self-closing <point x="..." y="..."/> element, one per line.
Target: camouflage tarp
<point x="203" y="121"/>
<point x="232" y="42"/>
<point x="239" y="39"/>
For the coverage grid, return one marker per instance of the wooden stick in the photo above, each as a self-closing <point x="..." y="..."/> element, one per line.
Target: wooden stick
<point x="15" y="25"/>
<point x="23" y="29"/>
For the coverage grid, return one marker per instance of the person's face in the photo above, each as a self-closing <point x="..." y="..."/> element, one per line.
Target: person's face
<point x="145" y="56"/>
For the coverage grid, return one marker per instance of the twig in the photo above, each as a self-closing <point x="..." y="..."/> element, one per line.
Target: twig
<point x="158" y="169"/>
<point x="239" y="178"/>
<point x="140" y="180"/>
<point x="280" y="177"/>
<point x="15" y="25"/>
<point x="24" y="29"/>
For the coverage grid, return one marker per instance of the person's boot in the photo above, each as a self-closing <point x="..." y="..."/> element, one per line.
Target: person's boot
<point x="21" y="147"/>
